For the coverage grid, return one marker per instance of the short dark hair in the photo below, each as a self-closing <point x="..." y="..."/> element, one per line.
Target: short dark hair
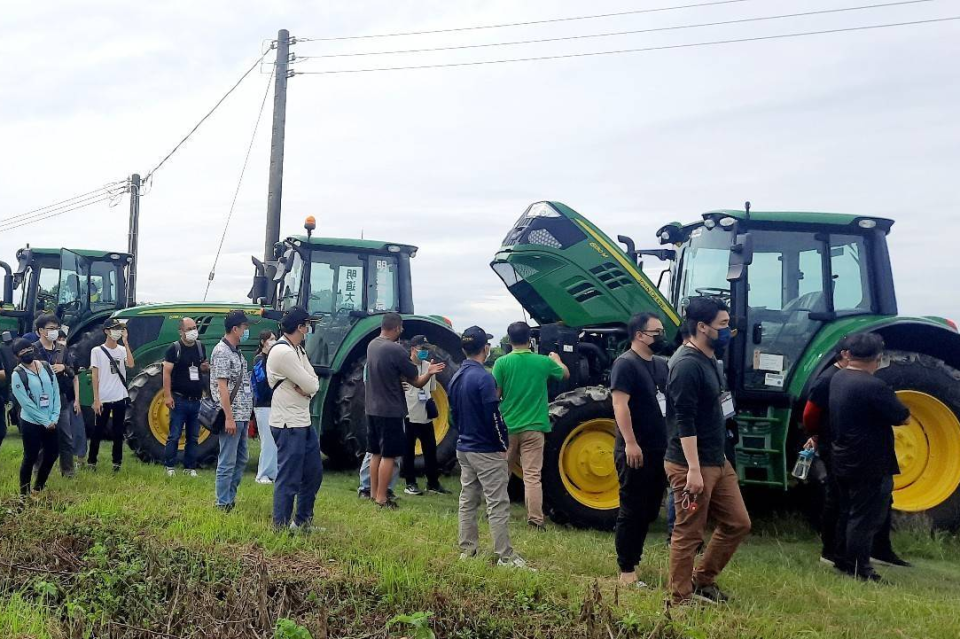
<point x="842" y="345"/>
<point x="703" y="309"/>
<point x="20" y="344"/>
<point x="44" y="319"/>
<point x="865" y="346"/>
<point x="519" y="333"/>
<point x="473" y="348"/>
<point x="391" y="321"/>
<point x="639" y="323"/>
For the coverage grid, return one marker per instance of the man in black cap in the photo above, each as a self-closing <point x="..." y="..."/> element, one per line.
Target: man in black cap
<point x="294" y="383"/>
<point x="388" y="366"/>
<point x="419" y="425"/>
<point x="230" y="390"/>
<point x="109" y="364"/>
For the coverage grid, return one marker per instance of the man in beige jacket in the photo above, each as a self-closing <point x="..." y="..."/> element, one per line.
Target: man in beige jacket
<point x="294" y="383"/>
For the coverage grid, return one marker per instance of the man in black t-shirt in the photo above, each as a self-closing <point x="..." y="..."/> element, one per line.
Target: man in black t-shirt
<point x="183" y="366"/>
<point x="639" y="381"/>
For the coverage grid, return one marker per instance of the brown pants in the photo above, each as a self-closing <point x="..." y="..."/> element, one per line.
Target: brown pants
<point x="721" y="503"/>
<point x="527" y="449"/>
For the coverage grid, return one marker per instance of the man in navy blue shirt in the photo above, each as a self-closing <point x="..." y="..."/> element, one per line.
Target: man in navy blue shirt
<point x="481" y="450"/>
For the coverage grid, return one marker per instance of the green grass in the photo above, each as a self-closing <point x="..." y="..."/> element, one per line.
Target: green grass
<point x="385" y="563"/>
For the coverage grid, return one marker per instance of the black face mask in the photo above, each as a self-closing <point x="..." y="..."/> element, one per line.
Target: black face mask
<point x="27" y="358"/>
<point x="659" y="344"/>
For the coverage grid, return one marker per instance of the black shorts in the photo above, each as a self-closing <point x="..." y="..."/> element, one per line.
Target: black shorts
<point x="385" y="436"/>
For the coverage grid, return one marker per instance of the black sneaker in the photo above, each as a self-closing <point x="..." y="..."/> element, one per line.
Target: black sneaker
<point x="390" y="494"/>
<point x="412" y="489"/>
<point x="363" y="493"/>
<point x="891" y="559"/>
<point x="709" y="594"/>
<point x="438" y="490"/>
<point x="828" y="559"/>
<point x="227" y="508"/>
<point x="116" y="468"/>
<point x="390" y="504"/>
<point x="536" y="526"/>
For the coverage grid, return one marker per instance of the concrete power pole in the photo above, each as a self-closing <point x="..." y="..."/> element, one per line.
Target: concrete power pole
<point x="133" y="238"/>
<point x="276" y="146"/>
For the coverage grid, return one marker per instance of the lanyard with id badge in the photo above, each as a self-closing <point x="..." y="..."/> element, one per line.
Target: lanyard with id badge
<point x="661" y="396"/>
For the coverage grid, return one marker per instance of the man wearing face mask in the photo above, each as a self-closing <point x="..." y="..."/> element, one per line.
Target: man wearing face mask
<point x="639" y="383"/>
<point x="183" y="364"/>
<point x="705" y="485"/>
<point x="109" y="364"/>
<point x="419" y="426"/>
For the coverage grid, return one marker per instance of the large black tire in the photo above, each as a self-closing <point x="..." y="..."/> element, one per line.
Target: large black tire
<point x="80" y="346"/>
<point x="929" y="375"/>
<point x="568" y="412"/>
<point x="348" y="443"/>
<point x="147" y="445"/>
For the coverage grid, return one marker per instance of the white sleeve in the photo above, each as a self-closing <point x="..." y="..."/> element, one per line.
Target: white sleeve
<point x="95" y="356"/>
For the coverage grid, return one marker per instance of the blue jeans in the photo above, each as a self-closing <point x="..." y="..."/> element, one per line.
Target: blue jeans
<point x="230" y="464"/>
<point x="185" y="412"/>
<point x="365" y="474"/>
<point x="267" y="468"/>
<point x="299" y="474"/>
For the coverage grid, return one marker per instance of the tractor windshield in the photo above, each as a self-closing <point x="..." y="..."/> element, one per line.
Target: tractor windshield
<point x="86" y="286"/>
<point x="702" y="268"/>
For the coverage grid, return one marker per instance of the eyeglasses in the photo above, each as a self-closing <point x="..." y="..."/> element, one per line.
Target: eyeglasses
<point x="656" y="333"/>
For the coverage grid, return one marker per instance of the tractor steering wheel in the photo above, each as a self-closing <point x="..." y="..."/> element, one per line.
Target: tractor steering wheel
<point x="722" y="293"/>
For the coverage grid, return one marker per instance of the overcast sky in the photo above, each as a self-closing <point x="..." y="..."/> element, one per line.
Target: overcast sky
<point x="447" y="159"/>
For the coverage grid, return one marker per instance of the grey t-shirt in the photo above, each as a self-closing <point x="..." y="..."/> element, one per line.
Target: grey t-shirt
<point x="388" y="365"/>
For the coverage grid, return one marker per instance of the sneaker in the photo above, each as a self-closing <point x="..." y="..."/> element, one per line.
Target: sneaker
<point x="227" y="508"/>
<point x="438" y="490"/>
<point x="390" y="504"/>
<point x="363" y="493"/>
<point x="192" y="473"/>
<point x="116" y="468"/>
<point x="709" y="594"/>
<point x="536" y="526"/>
<point x="306" y="528"/>
<point x="829" y="560"/>
<point x="891" y="559"/>
<point x="468" y="555"/>
<point x="515" y="562"/>
<point x="391" y="495"/>
<point x="412" y="489"/>
<point x="862" y="575"/>
<point x="264" y="480"/>
<point x="92" y="467"/>
<point x="629" y="580"/>
<point x="171" y="472"/>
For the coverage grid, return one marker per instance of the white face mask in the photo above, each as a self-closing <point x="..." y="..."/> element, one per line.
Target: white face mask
<point x="116" y="335"/>
<point x="192" y="335"/>
<point x="53" y="334"/>
<point x="269" y="344"/>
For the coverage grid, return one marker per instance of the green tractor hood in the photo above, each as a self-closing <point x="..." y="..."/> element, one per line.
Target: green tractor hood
<point x="553" y="253"/>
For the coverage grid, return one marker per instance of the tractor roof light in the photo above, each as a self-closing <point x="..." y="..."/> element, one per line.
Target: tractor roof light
<point x="727" y="222"/>
<point x="710" y="223"/>
<point x="952" y="324"/>
<point x="310" y="223"/>
<point x="393" y="248"/>
<point x="542" y="209"/>
<point x="867" y="224"/>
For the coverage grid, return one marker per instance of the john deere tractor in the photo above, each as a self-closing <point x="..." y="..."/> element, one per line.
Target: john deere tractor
<point x="796" y="283"/>
<point x="349" y="284"/>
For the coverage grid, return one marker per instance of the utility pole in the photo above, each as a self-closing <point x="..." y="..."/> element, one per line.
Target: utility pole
<point x="133" y="238"/>
<point x="276" y="146"/>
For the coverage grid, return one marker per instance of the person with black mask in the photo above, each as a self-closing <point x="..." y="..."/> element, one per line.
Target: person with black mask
<point x="35" y="386"/>
<point x="639" y="383"/>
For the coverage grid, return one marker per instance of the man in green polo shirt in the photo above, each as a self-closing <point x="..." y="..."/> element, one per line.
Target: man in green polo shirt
<point x="522" y="378"/>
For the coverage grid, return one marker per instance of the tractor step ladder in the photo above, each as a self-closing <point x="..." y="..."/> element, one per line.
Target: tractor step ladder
<point x="761" y="460"/>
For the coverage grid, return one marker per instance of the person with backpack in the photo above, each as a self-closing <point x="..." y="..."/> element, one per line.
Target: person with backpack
<point x="262" y="396"/>
<point x="51" y="351"/>
<point x="183" y="365"/>
<point x="109" y="363"/>
<point x="35" y="387"/>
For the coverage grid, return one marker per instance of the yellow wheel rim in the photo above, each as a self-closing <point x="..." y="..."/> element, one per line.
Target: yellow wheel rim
<point x="928" y="450"/>
<point x="441" y="425"/>
<point x="586" y="465"/>
<point x="158" y="416"/>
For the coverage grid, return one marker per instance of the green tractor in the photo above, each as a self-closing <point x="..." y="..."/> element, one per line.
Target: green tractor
<point x="796" y="284"/>
<point x="349" y="284"/>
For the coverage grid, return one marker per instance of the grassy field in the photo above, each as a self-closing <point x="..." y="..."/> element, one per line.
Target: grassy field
<point x="143" y="555"/>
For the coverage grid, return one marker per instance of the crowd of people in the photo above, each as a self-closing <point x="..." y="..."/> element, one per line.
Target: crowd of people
<point x="676" y="431"/>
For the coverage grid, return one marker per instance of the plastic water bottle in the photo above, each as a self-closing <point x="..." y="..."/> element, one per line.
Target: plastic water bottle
<point x="802" y="468"/>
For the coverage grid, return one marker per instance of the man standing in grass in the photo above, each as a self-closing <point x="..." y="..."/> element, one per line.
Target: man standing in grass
<point x="481" y="450"/>
<point x="522" y="378"/>
<point x="183" y="364"/>
<point x="230" y="390"/>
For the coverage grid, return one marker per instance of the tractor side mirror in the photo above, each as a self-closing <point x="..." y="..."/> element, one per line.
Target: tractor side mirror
<point x="8" y="289"/>
<point x="741" y="256"/>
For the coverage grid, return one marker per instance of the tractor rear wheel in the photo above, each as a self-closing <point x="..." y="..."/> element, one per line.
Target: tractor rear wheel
<point x="580" y="485"/>
<point x="928" y="447"/>
<point x="148" y="422"/>
<point x="349" y="443"/>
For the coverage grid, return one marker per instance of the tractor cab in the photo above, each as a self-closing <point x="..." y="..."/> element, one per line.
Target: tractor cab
<point x="76" y="285"/>
<point x="785" y="276"/>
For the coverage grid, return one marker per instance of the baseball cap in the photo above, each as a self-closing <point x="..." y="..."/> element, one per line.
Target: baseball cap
<point x="234" y="319"/>
<point x="474" y="336"/>
<point x="112" y="323"/>
<point x="294" y="318"/>
<point x="419" y="340"/>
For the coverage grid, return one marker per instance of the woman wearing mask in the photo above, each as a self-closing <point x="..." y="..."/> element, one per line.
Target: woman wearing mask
<point x="35" y="386"/>
<point x="263" y="395"/>
<point x="109" y="364"/>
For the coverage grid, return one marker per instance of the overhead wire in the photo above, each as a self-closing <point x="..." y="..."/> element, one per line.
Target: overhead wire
<point x="667" y="47"/>
<point x="63" y="203"/>
<point x="617" y="33"/>
<point x="525" y="24"/>
<point x="11" y="226"/>
<point x="108" y="191"/>
<point x="236" y="193"/>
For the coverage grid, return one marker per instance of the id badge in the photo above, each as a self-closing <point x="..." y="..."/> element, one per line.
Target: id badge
<point x="727" y="406"/>
<point x="422" y="395"/>
<point x="662" y="401"/>
<point x="194" y="374"/>
<point x="44" y="401"/>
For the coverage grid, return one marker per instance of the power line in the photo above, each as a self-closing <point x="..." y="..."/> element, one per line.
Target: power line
<point x="204" y="118"/>
<point x="524" y="24"/>
<point x="63" y="203"/>
<point x="616" y="33"/>
<point x="236" y="193"/>
<point x="639" y="50"/>
<point x="10" y="227"/>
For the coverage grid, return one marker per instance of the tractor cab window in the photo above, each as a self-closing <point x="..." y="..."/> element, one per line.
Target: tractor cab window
<point x="702" y="267"/>
<point x="384" y="285"/>
<point x="290" y="286"/>
<point x="336" y="290"/>
<point x="48" y="287"/>
<point x="103" y="288"/>
<point x="848" y="267"/>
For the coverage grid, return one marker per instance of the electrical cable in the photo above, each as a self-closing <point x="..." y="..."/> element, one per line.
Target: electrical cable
<point x="638" y="50"/>
<point x="615" y="33"/>
<point x="10" y="227"/>
<point x="204" y="118"/>
<point x="63" y="203"/>
<point x="236" y="193"/>
<point x="524" y="24"/>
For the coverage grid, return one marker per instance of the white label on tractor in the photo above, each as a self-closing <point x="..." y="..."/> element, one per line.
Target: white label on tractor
<point x="770" y="362"/>
<point x="774" y="380"/>
<point x="568" y="348"/>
